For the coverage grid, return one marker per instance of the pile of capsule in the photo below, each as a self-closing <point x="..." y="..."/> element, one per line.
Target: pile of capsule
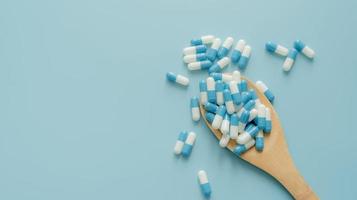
<point x="299" y="47"/>
<point x="235" y="110"/>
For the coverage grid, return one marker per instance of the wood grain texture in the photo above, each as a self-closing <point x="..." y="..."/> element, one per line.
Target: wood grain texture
<point x="275" y="158"/>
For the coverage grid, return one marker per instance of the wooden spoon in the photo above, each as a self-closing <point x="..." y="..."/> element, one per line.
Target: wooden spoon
<point x="275" y="158"/>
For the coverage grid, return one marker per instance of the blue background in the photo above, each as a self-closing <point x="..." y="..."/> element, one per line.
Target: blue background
<point x="86" y="112"/>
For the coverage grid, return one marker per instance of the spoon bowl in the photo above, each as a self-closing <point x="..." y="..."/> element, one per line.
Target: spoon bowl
<point x="275" y="158"/>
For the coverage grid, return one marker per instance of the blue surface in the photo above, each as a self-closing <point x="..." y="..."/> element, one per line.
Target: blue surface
<point x="86" y="111"/>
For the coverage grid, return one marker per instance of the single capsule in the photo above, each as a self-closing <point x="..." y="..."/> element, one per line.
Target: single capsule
<point x="276" y="48"/>
<point x="243" y="61"/>
<point x="236" y="76"/>
<point x="247" y="135"/>
<point x="195" y="111"/>
<point x="289" y="61"/>
<point x="187" y="147"/>
<point x="219" y="92"/>
<point x="233" y="87"/>
<point x="239" y="149"/>
<point x="209" y="117"/>
<point x="243" y="86"/>
<point x="207" y="39"/>
<point x="246" y="96"/>
<point x="203" y="92"/>
<point x="261" y="117"/>
<point x="182" y="80"/>
<point x="301" y="47"/>
<point x="200" y="65"/>
<point x="212" y="52"/>
<point x="259" y="141"/>
<point x="180" y="142"/>
<point x="268" y="125"/>
<point x="223" y="142"/>
<point x="220" y="76"/>
<point x="233" y="130"/>
<point x="225" y="125"/>
<point x="218" y="118"/>
<point x="194" y="50"/>
<point x="267" y="92"/>
<point x="204" y="184"/>
<point x="222" y="63"/>
<point x="211" y="90"/>
<point x="210" y="107"/>
<point x="228" y="101"/>
<point x="194" y="58"/>
<point x="226" y="46"/>
<point x="237" y="51"/>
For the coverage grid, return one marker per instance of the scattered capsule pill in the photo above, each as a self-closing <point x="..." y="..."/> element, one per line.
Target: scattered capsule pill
<point x="301" y="47"/>
<point x="225" y="125"/>
<point x="210" y="107"/>
<point x="261" y="117"/>
<point x="239" y="149"/>
<point x="224" y="49"/>
<point x="237" y="51"/>
<point x="233" y="130"/>
<point x="233" y="87"/>
<point x="243" y="61"/>
<point x="203" y="92"/>
<point x="182" y="80"/>
<point x="259" y="141"/>
<point x="204" y="184"/>
<point x="212" y="52"/>
<point x="180" y="142"/>
<point x="223" y="142"/>
<point x="195" y="111"/>
<point x="187" y="147"/>
<point x="194" y="58"/>
<point x="211" y="87"/>
<point x="207" y="39"/>
<point x="220" y="65"/>
<point x="209" y="117"/>
<point x="219" y="92"/>
<point x="219" y="76"/>
<point x="276" y="48"/>
<point x="200" y="65"/>
<point x="289" y="61"/>
<point x="268" y="124"/>
<point x="267" y="92"/>
<point x="218" y="118"/>
<point x="247" y="135"/>
<point x="194" y="50"/>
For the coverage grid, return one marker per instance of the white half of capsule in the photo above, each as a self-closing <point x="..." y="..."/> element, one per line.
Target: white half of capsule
<point x="189" y="50"/>
<point x="247" y="51"/>
<point x="260" y="134"/>
<point x="241" y="127"/>
<point x="217" y="121"/>
<point x="223" y="142"/>
<point x="244" y="138"/>
<point x="249" y="144"/>
<point x="182" y="80"/>
<point x="261" y="111"/>
<point x="225" y="126"/>
<point x="261" y="86"/>
<point x="233" y="132"/>
<point x="223" y="62"/>
<point x="236" y="76"/>
<point x="267" y="114"/>
<point x="227" y="78"/>
<point x="288" y="64"/>
<point x="307" y="51"/>
<point x="178" y="147"/>
<point x="228" y="42"/>
<point x="281" y="50"/>
<point x="202" y="177"/>
<point x="207" y="39"/>
<point x="240" y="45"/>
<point x="211" y="84"/>
<point x="216" y="44"/>
<point x="191" y="138"/>
<point x="194" y="66"/>
<point x="233" y="87"/>
<point x="252" y="114"/>
<point x="230" y="107"/>
<point x="195" y="112"/>
<point x="203" y="97"/>
<point x="219" y="98"/>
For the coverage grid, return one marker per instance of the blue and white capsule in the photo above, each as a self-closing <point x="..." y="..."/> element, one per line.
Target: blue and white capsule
<point x="240" y="149"/>
<point x="259" y="141"/>
<point x="219" y="92"/>
<point x="276" y="48"/>
<point x="267" y="92"/>
<point x="233" y="130"/>
<point x="194" y="50"/>
<point x="289" y="61"/>
<point x="180" y="142"/>
<point x="247" y="135"/>
<point x="237" y="51"/>
<point x="209" y="117"/>
<point x="204" y="184"/>
<point x="206" y="39"/>
<point x="211" y="90"/>
<point x="195" y="111"/>
<point x="212" y="52"/>
<point x="210" y="107"/>
<point x="195" y="58"/>
<point x="177" y="78"/>
<point x="228" y="101"/>
<point x="268" y="124"/>
<point x="223" y="142"/>
<point x="221" y="76"/>
<point x="225" y="125"/>
<point x="226" y="46"/>
<point x="200" y="65"/>
<point x="220" y="65"/>
<point x="187" y="147"/>
<point x="301" y="47"/>
<point x="203" y="92"/>
<point x="218" y="118"/>
<point x="261" y="117"/>
<point x="244" y="59"/>
<point x="233" y="87"/>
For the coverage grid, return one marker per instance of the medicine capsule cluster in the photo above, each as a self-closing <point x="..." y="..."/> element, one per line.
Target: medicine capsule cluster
<point x="290" y="54"/>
